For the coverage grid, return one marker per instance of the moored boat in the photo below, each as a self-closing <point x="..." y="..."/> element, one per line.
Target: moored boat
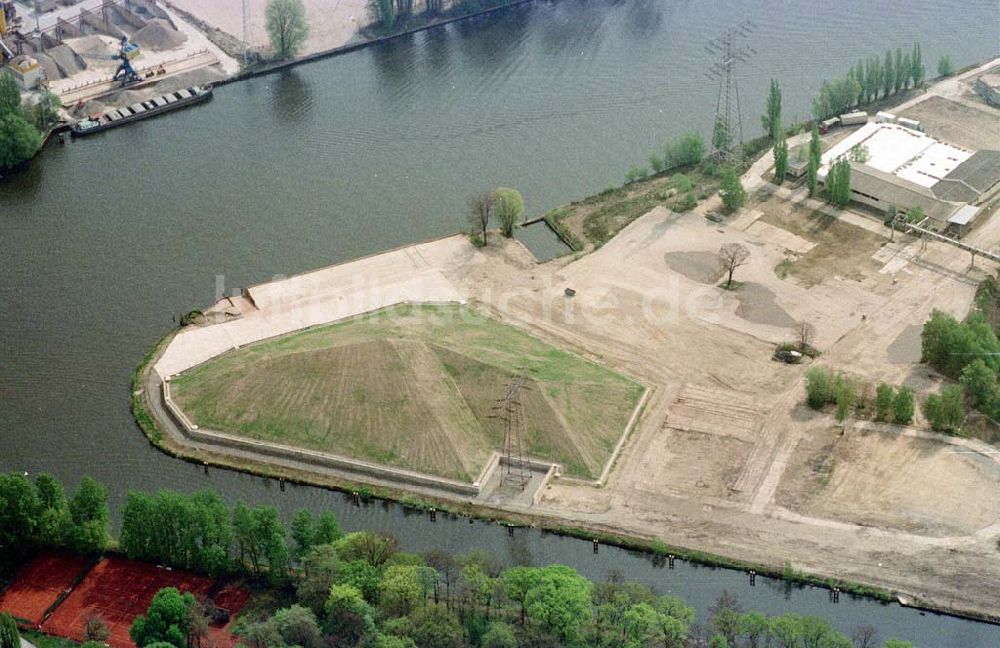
<point x="142" y="110"/>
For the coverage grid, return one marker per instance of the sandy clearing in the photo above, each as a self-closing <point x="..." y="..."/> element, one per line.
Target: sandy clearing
<point x="332" y="23"/>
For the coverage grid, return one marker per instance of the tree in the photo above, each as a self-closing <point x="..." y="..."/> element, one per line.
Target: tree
<point x="846" y="396"/>
<point x="732" y="256"/>
<point x="688" y="150"/>
<point x="896" y="643"/>
<point x="382" y="11"/>
<point x="903" y="406"/>
<point x="945" y="411"/>
<point x="297" y="626"/>
<point x="481" y="208"/>
<point x="91" y="517"/>
<point x="509" y="207"/>
<point x="9" y="636"/>
<point x="96" y="629"/>
<point x="865" y="636"/>
<point x="166" y="620"/>
<point x="917" y="69"/>
<point x="885" y="396"/>
<point x="819" y="387"/>
<point x="260" y="537"/>
<point x="400" y="589"/>
<point x="499" y="635"/>
<point x="432" y="626"/>
<point x="10" y="94"/>
<point x="899" y="73"/>
<point x="806" y="333"/>
<point x="734" y="196"/>
<point x="859" y="75"/>
<point x="516" y="583"/>
<point x="560" y="601"/>
<point x="838" y="183"/>
<point x="286" y="26"/>
<point x="945" y="67"/>
<point x="319" y="567"/>
<point x="980" y="383"/>
<point x="20" y="509"/>
<point x="770" y="121"/>
<point x="815" y="158"/>
<point x="907" y="71"/>
<point x="349" y="618"/>
<point x="888" y="74"/>
<point x="18" y="139"/>
<point x="724" y="617"/>
<point x="370" y="546"/>
<point x="45" y="113"/>
<point x="55" y="525"/>
<point x="780" y="157"/>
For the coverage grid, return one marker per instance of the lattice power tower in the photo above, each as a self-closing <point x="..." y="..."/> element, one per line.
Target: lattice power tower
<point x="731" y="48"/>
<point x="513" y="468"/>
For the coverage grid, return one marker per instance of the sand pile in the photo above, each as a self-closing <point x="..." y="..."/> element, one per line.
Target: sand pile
<point x="69" y="63"/>
<point x="159" y="35"/>
<point x="92" y="45"/>
<point x="201" y="76"/>
<point x="127" y="97"/>
<point x="91" y="108"/>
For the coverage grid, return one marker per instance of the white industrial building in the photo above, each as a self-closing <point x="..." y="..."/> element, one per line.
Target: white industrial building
<point x="904" y="168"/>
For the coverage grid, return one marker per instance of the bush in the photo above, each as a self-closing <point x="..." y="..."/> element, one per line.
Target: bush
<point x="945" y="411"/>
<point x="903" y="406"/>
<point x="884" y="399"/>
<point x="656" y="163"/>
<point x="635" y="173"/>
<point x="734" y="196"/>
<point x="819" y="387"/>
<point x="945" y="66"/>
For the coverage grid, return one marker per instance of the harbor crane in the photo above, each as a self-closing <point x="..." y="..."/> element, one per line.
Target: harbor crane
<point x="126" y="52"/>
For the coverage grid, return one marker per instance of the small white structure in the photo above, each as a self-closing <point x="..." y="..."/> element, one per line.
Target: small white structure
<point x="910" y="123"/>
<point x="885" y="117"/>
<point x="27" y="71"/>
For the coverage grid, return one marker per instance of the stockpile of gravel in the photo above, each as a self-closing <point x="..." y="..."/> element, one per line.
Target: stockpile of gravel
<point x="52" y="71"/>
<point x="92" y="107"/>
<point x="159" y="35"/>
<point x="69" y="64"/>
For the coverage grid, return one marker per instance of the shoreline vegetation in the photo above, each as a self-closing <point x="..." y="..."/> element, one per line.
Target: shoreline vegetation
<point x="312" y="565"/>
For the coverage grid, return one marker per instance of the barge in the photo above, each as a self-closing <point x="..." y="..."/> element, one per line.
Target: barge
<point x="142" y="110"/>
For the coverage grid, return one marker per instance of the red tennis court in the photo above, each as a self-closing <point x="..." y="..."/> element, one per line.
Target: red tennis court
<point x="38" y="584"/>
<point x="117" y="590"/>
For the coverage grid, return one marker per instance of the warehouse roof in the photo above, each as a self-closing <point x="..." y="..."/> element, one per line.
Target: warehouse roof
<point x="901" y="194"/>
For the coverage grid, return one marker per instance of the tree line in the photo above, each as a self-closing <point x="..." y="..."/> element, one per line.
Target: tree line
<point x="361" y="590"/>
<point x="869" y="80"/>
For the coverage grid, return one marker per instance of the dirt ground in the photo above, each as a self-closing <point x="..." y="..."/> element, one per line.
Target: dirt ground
<point x="841" y="248"/>
<point x="974" y="128"/>
<point x="332" y="23"/>
<point x="872" y="478"/>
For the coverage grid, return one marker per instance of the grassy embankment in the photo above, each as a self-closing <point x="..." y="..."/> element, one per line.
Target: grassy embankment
<point x="413" y="387"/>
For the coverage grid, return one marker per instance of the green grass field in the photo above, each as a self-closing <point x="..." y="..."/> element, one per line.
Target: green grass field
<point x="414" y="387"/>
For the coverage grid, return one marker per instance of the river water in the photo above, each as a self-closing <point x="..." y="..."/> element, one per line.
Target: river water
<point x="105" y="240"/>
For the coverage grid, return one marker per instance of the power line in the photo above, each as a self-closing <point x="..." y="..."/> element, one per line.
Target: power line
<point x="731" y="49"/>
<point x="513" y="468"/>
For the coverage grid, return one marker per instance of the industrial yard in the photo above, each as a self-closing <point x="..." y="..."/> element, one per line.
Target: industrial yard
<point x="97" y="55"/>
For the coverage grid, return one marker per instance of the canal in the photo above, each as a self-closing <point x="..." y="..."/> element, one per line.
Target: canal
<point x="106" y="240"/>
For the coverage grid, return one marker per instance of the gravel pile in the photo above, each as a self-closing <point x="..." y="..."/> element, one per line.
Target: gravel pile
<point x="159" y="35"/>
<point x="68" y="62"/>
<point x="703" y="267"/>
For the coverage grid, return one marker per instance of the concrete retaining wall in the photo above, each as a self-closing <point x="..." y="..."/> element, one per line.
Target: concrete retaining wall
<point x="322" y="459"/>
